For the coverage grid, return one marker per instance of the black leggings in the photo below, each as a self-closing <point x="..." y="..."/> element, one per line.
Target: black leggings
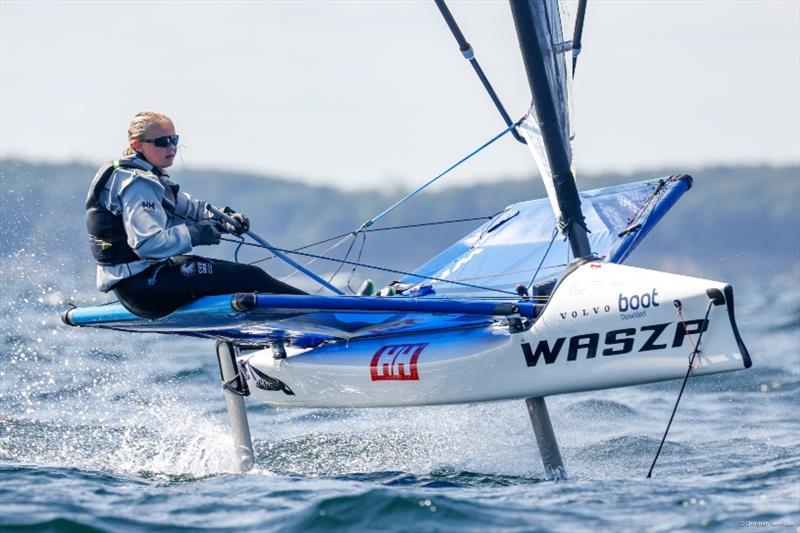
<point x="164" y="287"/>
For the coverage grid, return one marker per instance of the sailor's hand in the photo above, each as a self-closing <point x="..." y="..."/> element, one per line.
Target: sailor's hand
<point x="204" y="232"/>
<point x="240" y="218"/>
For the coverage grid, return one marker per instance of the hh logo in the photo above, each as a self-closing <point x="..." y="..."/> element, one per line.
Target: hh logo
<point x="397" y="362"/>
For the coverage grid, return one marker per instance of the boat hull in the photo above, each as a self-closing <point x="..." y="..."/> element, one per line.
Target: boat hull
<point x="605" y="326"/>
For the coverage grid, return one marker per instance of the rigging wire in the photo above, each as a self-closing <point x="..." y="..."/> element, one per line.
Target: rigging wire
<point x="370" y="230"/>
<point x="451" y="280"/>
<point x="658" y="191"/>
<point x="354" y="234"/>
<point x="410" y="195"/>
<point x="695" y="354"/>
<point x="341" y="263"/>
<point x="260" y="240"/>
<point x="544" y="256"/>
<point x="370" y="222"/>
<point x="358" y="260"/>
<point x="238" y="247"/>
<point x="324" y="252"/>
<point x="383" y="269"/>
<point x="423" y="224"/>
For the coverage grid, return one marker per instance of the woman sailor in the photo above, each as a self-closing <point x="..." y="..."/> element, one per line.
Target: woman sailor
<point x="141" y="227"/>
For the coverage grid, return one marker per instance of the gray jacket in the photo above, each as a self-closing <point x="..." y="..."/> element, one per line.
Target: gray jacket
<point x="153" y="234"/>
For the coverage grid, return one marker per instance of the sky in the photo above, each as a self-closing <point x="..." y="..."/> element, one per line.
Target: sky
<point x="376" y="95"/>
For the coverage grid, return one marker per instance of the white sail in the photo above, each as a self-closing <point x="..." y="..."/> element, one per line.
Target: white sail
<point x="549" y="22"/>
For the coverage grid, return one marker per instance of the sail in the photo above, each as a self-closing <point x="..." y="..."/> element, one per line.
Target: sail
<point x="547" y="125"/>
<point x="547" y="18"/>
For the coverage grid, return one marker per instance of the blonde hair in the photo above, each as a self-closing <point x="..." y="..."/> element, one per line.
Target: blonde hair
<point x="137" y="129"/>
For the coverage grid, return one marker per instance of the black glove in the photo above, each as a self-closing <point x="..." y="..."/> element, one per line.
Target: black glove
<point x="240" y="218"/>
<point x="204" y="232"/>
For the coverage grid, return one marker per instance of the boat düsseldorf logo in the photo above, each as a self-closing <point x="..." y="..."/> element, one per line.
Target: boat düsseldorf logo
<point x="628" y="306"/>
<point x="266" y="382"/>
<point x="635" y="306"/>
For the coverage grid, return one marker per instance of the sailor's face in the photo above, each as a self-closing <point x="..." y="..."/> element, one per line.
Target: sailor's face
<point x="158" y="156"/>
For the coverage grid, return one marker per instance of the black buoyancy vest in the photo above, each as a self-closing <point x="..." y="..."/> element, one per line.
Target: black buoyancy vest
<point x="107" y="238"/>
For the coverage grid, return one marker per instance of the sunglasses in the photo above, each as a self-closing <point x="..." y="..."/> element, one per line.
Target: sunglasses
<point x="165" y="141"/>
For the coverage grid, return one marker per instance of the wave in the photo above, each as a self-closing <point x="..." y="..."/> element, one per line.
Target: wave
<point x="594" y="407"/>
<point x="382" y="509"/>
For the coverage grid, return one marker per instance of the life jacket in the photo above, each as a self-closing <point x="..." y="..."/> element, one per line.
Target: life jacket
<point x="107" y="238"/>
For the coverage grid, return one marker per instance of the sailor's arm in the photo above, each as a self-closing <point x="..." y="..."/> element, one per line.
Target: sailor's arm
<point x="191" y="209"/>
<point x="146" y="222"/>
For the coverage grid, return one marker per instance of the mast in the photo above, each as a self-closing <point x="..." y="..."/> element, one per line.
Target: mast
<point x="547" y="131"/>
<point x="531" y="18"/>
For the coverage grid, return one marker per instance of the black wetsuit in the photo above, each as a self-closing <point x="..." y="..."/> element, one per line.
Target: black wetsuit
<point x="164" y="287"/>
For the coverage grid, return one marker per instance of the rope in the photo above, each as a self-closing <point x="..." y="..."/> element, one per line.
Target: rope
<point x="695" y="347"/>
<point x="423" y="224"/>
<point x="365" y="265"/>
<point x="341" y="262"/>
<point x="695" y="353"/>
<point x="354" y="234"/>
<point x="371" y="221"/>
<point x="657" y="191"/>
<point x="350" y="233"/>
<point x="236" y="251"/>
<point x="326" y="251"/>
<point x="383" y="269"/>
<point x="552" y="240"/>
<point x="358" y="260"/>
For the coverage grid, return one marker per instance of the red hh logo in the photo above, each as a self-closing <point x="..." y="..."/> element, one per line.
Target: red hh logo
<point x="396" y="362"/>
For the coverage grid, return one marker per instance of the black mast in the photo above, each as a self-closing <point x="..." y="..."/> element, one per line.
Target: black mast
<point x="577" y="35"/>
<point x="569" y="202"/>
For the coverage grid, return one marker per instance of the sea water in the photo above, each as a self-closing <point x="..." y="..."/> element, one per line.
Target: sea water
<point x="116" y="431"/>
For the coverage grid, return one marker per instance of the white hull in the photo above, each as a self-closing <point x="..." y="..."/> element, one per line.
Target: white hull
<point x="605" y="326"/>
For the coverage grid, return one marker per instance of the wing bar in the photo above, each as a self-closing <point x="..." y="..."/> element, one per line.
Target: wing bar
<point x="246" y="302"/>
